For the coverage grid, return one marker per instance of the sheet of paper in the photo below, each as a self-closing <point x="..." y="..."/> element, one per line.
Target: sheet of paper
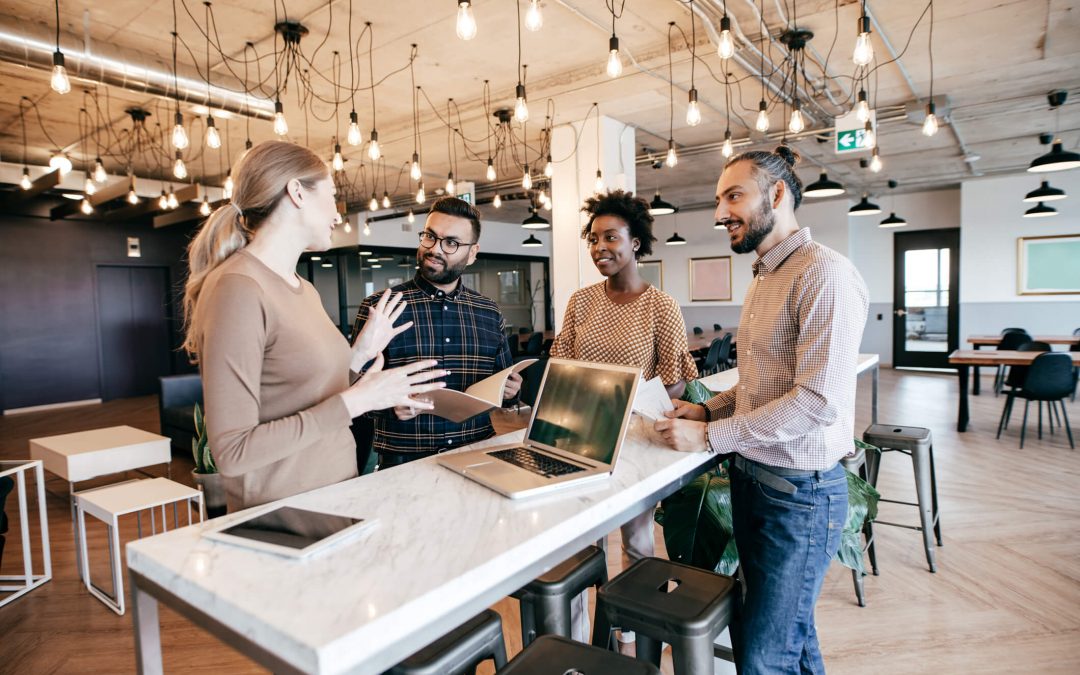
<point x="652" y="399"/>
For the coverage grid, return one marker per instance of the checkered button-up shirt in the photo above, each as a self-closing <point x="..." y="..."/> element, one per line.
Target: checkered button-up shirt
<point x="463" y="331"/>
<point x="802" y="322"/>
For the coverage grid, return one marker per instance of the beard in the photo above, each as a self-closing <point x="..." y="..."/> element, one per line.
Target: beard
<point x="759" y="225"/>
<point x="448" y="275"/>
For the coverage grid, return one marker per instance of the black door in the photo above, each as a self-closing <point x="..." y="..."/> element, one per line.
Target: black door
<point x="926" y="294"/>
<point x="133" y="328"/>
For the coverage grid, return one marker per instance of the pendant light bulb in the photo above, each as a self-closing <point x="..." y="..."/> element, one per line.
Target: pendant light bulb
<point x="420" y="196"/>
<point x="526" y="179"/>
<point x="672" y="158"/>
<point x="869" y="136"/>
<point x="353" y="136"/>
<point x="338" y="162"/>
<point x="25" y="182"/>
<point x="862" y="107"/>
<point x="491" y="175"/>
<point x="599" y="184"/>
<point x="89" y="187"/>
<point x="414" y="171"/>
<point x="373" y="205"/>
<point x="163" y="201"/>
<point x="204" y="207"/>
<point x="86" y="207"/>
<point x="875" y="162"/>
<point x="281" y="127"/>
<point x="179" y="134"/>
<point x="521" y="106"/>
<point x="347" y="227"/>
<point x="213" y="138"/>
<point x="726" y="48"/>
<point x="930" y="124"/>
<point x="367" y="228"/>
<point x="172" y="201"/>
<point x="727" y="150"/>
<point x="451" y="187"/>
<point x="796" y="124"/>
<point x="227" y="189"/>
<point x="693" y="110"/>
<point x="132" y="196"/>
<point x="411" y="217"/>
<point x="100" y="175"/>
<point x="466" y="22"/>
<point x="60" y="162"/>
<point x="59" y="80"/>
<point x="864" y="49"/>
<point x="534" y="19"/>
<point x="614" y="61"/>
<point x="373" y="151"/>
<point x="385" y="199"/>
<point x="549" y="167"/>
<point x="497" y="202"/>
<point x="547" y="203"/>
<point x="762" y="122"/>
<point x="179" y="169"/>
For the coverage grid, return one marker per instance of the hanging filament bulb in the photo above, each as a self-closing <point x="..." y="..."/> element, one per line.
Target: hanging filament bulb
<point x="930" y="124"/>
<point x="353" y="136"/>
<point x="204" y="207"/>
<point x="796" y="124"/>
<point x="864" y="49"/>
<point x="599" y="184"/>
<point x="179" y="169"/>
<point x="869" y="136"/>
<point x="549" y="167"/>
<point x="347" y="227"/>
<point x="59" y="80"/>
<point x="373" y="151"/>
<point x="385" y="199"/>
<point x="25" y="182"/>
<point x="367" y="227"/>
<point x="526" y="179"/>
<point x="491" y="175"/>
<point x="726" y="48"/>
<point x="163" y="201"/>
<point x="179" y="133"/>
<point x="227" y="189"/>
<point x="547" y="204"/>
<point x="614" y="61"/>
<point x="762" y="123"/>
<point x="451" y="187"/>
<point x="99" y="171"/>
<point x="534" y="20"/>
<point x="521" y="106"/>
<point x="411" y="217"/>
<point x="693" y="110"/>
<point x="60" y="162"/>
<point x="497" y="202"/>
<point x="213" y="138"/>
<point x="415" y="171"/>
<point x="875" y="162"/>
<point x="132" y="196"/>
<point x="281" y="127"/>
<point x="247" y="148"/>
<point x="86" y="207"/>
<point x="89" y="187"/>
<point x="727" y="150"/>
<point x="373" y="205"/>
<point x="420" y="196"/>
<point x="542" y="198"/>
<point x="672" y="159"/>
<point x="173" y="201"/>
<point x="466" y="22"/>
<point x="862" y="107"/>
<point x="338" y="162"/>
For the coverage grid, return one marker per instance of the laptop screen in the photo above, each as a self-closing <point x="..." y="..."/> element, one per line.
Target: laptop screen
<point x="581" y="409"/>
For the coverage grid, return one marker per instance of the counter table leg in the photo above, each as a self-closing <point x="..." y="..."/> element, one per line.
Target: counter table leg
<point x="874" y="393"/>
<point x="147" y="630"/>
<point x="963" y="416"/>
<point x="975" y="384"/>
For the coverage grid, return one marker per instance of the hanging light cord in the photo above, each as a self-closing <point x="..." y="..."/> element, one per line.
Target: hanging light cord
<point x="371" y="69"/>
<point x="57" y="25"/>
<point x="930" y="45"/>
<point x="671" y="86"/>
<point x="693" y="43"/>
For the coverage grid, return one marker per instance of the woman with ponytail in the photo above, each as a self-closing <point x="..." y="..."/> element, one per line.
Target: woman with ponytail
<point x="275" y="369"/>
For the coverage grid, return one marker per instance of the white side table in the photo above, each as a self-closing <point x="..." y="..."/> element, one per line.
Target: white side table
<point x="108" y="503"/>
<point x="29" y="580"/>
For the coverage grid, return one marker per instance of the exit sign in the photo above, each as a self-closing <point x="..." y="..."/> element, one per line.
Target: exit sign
<point x="851" y="133"/>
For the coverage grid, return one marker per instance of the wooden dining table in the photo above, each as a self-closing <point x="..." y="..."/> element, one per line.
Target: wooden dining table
<point x="979" y="341"/>
<point x="964" y="359"/>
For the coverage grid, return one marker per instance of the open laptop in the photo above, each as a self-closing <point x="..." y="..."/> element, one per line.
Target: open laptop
<point x="575" y="433"/>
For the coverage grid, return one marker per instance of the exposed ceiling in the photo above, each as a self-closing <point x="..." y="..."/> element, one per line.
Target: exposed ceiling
<point x="994" y="60"/>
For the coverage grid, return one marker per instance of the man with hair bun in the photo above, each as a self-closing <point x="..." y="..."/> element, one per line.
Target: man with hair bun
<point x="791" y="417"/>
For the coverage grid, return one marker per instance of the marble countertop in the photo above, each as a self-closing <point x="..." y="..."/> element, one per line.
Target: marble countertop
<point x="443" y="549"/>
<point x="726" y="379"/>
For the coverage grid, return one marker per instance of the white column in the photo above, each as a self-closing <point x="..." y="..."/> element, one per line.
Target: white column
<point x="573" y="182"/>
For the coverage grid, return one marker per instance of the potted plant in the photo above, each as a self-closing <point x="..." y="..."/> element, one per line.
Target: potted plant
<point x="205" y="473"/>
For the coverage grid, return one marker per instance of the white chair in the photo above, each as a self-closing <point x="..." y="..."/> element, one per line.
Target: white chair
<point x="29" y="579"/>
<point x="107" y="504"/>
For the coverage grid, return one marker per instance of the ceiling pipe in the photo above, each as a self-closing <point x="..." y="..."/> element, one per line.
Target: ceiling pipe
<point x="32" y="45"/>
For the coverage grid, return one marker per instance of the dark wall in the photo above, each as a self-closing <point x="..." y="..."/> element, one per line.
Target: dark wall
<point x="49" y="351"/>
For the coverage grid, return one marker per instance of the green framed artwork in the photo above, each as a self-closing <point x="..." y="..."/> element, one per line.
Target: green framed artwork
<point x="1048" y="265"/>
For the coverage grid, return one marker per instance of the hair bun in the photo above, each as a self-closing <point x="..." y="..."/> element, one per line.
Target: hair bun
<point x="788" y="155"/>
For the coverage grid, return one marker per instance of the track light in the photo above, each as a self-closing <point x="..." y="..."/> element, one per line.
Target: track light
<point x="420" y="196"/>
<point x="930" y="124"/>
<point x="491" y="175"/>
<point x="99" y="171"/>
<point x="1044" y="193"/>
<point x="213" y="138"/>
<point x="726" y="48"/>
<point x="385" y="199"/>
<point x="59" y="80"/>
<point x="875" y="162"/>
<point x="179" y="169"/>
<point x="864" y="208"/>
<point x="796" y="124"/>
<point x="534" y="20"/>
<point x="179" y="133"/>
<point x="353" y="136"/>
<point x="864" y="49"/>
<point x="281" y="127"/>
<point x="373" y="151"/>
<point x="599" y="184"/>
<point x="451" y="187"/>
<point x="1058" y="159"/>
<point x="862" y="106"/>
<point x="727" y="150"/>
<point x="25" y="182"/>
<point x="497" y="202"/>
<point x="614" y="62"/>
<point x="89" y="187"/>
<point x="521" y="105"/>
<point x="672" y="158"/>
<point x="532" y="242"/>
<point x="549" y="167"/>
<point x="693" y="110"/>
<point x="338" y="163"/>
<point x="823" y="187"/>
<point x="1040" y="210"/>
<point x="762" y="122"/>
<point x="466" y="22"/>
<point x="526" y="179"/>
<point x="227" y="189"/>
<point x="675" y="240"/>
<point x="60" y="162"/>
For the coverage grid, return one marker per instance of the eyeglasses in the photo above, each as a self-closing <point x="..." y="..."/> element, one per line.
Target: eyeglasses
<point x="450" y="246"/>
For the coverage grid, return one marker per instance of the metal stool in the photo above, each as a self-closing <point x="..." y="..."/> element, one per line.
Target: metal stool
<point x="459" y="651"/>
<point x="545" y="602"/>
<point x="916" y="442"/>
<point x="555" y="654"/>
<point x="664" y="601"/>
<point x="857" y="464"/>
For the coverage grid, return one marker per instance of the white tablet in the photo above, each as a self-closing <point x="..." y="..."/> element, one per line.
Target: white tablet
<point x="289" y="531"/>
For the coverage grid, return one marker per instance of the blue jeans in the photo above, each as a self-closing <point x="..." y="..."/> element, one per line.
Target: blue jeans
<point x="785" y="543"/>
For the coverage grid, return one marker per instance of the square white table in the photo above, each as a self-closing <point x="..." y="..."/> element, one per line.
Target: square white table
<point x="28" y="580"/>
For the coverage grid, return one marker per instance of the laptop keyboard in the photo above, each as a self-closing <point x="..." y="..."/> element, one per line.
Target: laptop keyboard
<point x="533" y="461"/>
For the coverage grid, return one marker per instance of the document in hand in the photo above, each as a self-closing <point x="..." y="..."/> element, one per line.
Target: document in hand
<point x="482" y="396"/>
<point x="652" y="399"/>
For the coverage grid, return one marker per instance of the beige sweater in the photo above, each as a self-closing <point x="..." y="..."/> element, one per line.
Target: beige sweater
<point x="272" y="365"/>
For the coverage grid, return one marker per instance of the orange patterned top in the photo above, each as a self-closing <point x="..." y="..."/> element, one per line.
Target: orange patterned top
<point x="648" y="332"/>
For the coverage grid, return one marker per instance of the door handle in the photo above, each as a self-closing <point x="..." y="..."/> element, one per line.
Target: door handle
<point x="900" y="312"/>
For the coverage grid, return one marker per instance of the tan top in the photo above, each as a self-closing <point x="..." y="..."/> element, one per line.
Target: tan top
<point x="647" y="332"/>
<point x="272" y="365"/>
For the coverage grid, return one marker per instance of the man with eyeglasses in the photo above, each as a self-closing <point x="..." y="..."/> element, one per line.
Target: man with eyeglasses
<point x="455" y="325"/>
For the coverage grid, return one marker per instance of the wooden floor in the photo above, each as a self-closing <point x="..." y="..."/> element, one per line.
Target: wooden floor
<point x="1006" y="597"/>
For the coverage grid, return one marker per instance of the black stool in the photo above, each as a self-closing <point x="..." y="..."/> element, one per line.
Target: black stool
<point x="664" y="601"/>
<point x="917" y="443"/>
<point x="545" y="601"/>
<point x="459" y="651"/>
<point x="554" y="654"/>
<point x="857" y="464"/>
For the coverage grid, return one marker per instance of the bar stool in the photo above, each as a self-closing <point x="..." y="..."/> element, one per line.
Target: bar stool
<point x="918" y="444"/>
<point x="857" y="465"/>
<point x="545" y="601"/>
<point x="459" y="651"/>
<point x="664" y="601"/>
<point x="550" y="654"/>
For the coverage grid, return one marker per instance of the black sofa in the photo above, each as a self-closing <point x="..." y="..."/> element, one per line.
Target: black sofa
<point x="176" y="407"/>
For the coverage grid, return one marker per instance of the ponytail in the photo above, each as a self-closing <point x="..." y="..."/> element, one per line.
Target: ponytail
<point x="222" y="235"/>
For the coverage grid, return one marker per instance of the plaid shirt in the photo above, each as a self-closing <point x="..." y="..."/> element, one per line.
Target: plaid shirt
<point x="799" y="335"/>
<point x="463" y="331"/>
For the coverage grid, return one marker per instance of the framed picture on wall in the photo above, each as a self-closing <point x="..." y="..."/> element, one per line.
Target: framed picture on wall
<point x="710" y="278"/>
<point x="653" y="272"/>
<point x="1047" y="265"/>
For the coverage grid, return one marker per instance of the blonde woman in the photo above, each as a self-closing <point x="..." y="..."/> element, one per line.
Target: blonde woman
<point x="275" y="370"/>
